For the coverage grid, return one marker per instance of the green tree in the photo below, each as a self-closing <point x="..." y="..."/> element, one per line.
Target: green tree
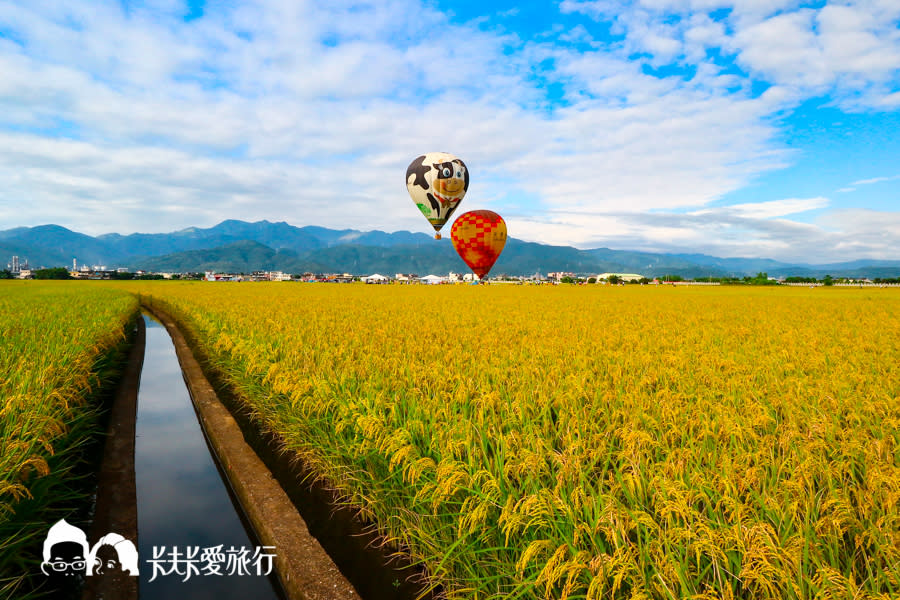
<point x="761" y="278"/>
<point x="54" y="273"/>
<point x="5" y="274"/>
<point x="613" y="280"/>
<point x="828" y="280"/>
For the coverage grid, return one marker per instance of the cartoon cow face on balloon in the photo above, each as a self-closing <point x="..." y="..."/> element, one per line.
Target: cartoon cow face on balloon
<point x="452" y="180"/>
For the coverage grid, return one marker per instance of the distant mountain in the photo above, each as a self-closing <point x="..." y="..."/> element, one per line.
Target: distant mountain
<point x="239" y="246"/>
<point x="31" y="253"/>
<point x="51" y="245"/>
<point x="275" y="235"/>
<point x="245" y="256"/>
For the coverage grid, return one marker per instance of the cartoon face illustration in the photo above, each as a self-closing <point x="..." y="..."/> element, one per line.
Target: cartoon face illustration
<point x="66" y="559"/>
<point x="65" y="551"/>
<point x="452" y="178"/>
<point x="106" y="561"/>
<point x="113" y="555"/>
<point x="66" y="554"/>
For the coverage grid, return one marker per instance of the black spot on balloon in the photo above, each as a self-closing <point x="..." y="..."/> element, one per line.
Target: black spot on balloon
<point x="444" y="170"/>
<point x="418" y="168"/>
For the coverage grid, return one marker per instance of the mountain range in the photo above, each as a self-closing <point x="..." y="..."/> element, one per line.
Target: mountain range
<point x="239" y="246"/>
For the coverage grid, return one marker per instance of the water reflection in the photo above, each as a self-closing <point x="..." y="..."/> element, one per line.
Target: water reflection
<point x="182" y="500"/>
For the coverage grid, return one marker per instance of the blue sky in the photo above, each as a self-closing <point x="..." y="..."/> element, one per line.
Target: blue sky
<point x="763" y="128"/>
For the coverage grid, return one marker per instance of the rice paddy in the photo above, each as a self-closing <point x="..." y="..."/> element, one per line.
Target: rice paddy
<point x="587" y="442"/>
<point x="57" y="346"/>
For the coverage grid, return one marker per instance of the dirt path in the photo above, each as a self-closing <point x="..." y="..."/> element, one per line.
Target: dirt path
<point x="116" y="506"/>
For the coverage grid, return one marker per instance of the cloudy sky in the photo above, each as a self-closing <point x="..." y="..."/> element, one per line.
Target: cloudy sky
<point x="732" y="127"/>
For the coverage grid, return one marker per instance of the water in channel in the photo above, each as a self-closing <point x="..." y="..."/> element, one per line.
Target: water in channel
<point x="183" y="504"/>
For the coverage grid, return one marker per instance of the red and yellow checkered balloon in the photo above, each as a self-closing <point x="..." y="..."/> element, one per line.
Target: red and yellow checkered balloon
<point x="479" y="237"/>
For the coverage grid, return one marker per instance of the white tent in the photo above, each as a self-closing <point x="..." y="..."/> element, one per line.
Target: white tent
<point x="431" y="279"/>
<point x="376" y="278"/>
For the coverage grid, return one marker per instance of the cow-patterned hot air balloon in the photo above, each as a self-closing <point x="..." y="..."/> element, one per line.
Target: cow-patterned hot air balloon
<point x="437" y="183"/>
<point x="479" y="237"/>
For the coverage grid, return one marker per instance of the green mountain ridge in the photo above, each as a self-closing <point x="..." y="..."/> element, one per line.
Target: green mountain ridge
<point x="243" y="247"/>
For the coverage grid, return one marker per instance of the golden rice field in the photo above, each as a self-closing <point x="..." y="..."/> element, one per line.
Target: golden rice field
<point x="55" y="345"/>
<point x="588" y="442"/>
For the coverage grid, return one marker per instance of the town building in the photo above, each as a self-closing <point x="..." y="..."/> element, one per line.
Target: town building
<point x="16" y="266"/>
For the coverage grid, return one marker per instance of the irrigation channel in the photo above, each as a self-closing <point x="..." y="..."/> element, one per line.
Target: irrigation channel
<point x="208" y="497"/>
<point x="183" y="505"/>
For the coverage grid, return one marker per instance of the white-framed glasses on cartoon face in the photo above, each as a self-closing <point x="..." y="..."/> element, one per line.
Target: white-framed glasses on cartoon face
<point x="61" y="565"/>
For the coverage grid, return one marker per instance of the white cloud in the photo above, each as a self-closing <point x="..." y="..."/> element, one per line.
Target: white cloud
<point x="875" y="180"/>
<point x="849" y="48"/>
<point x="701" y="34"/>
<point x="834" y="237"/>
<point x="770" y="209"/>
<point x="871" y="233"/>
<point x="888" y="101"/>
<point x="784" y="47"/>
<point x="840" y="47"/>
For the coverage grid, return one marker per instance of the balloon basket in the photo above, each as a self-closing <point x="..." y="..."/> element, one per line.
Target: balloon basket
<point x="437" y="236"/>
